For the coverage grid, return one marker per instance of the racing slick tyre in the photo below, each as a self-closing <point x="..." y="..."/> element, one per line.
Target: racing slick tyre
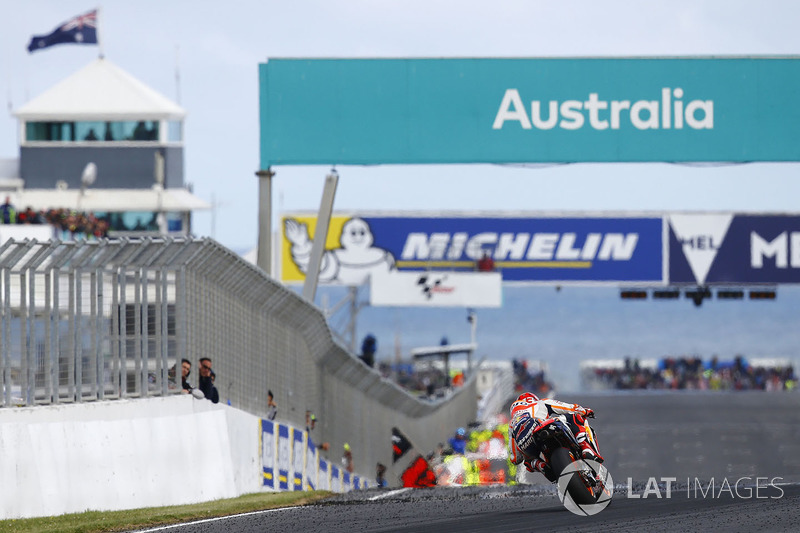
<point x="581" y="492"/>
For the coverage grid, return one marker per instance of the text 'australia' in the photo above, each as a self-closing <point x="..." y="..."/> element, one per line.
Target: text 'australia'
<point x="670" y="112"/>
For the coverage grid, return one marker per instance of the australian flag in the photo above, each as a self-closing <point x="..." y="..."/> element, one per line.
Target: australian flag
<point x="79" y="30"/>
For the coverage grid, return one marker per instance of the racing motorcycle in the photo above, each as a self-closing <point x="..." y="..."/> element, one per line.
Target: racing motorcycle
<point x="553" y="441"/>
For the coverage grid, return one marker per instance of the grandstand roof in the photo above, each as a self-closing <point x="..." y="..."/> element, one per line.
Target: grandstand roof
<point x="100" y="91"/>
<point x="434" y="351"/>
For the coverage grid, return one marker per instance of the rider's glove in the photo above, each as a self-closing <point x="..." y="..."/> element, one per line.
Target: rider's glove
<point x="588" y="413"/>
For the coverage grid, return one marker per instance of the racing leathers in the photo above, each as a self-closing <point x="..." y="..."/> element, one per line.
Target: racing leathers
<point x="529" y="405"/>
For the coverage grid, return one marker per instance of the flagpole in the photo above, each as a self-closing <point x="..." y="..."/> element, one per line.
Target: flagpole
<point x="97" y="31"/>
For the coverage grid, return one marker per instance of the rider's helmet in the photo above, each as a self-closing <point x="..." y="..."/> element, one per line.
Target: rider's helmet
<point x="523" y="435"/>
<point x="525" y="395"/>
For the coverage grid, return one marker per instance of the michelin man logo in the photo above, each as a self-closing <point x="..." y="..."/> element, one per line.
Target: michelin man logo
<point x="351" y="263"/>
<point x="586" y="509"/>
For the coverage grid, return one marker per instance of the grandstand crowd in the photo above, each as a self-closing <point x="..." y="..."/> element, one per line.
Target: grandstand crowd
<point x="694" y="374"/>
<point x="67" y="224"/>
<point x="76" y="225"/>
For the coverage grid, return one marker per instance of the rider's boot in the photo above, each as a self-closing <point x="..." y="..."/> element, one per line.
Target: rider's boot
<point x="537" y="465"/>
<point x="587" y="451"/>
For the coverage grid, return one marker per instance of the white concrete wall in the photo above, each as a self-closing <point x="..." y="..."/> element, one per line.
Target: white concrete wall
<point x="40" y="232"/>
<point x="125" y="454"/>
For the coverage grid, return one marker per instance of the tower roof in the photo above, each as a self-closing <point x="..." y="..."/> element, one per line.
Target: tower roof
<point x="100" y="91"/>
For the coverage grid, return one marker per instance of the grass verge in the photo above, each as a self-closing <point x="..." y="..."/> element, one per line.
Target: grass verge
<point x="105" y="521"/>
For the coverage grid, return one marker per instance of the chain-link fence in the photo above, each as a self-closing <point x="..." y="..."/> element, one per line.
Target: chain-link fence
<point x="84" y="321"/>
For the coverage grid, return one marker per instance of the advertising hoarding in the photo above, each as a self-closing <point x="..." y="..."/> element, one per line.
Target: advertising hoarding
<point x="521" y="110"/>
<point x="661" y="249"/>
<point x="436" y="289"/>
<point x="728" y="249"/>
<point x="525" y="249"/>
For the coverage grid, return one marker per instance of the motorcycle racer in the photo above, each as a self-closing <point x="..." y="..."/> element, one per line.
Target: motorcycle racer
<point x="527" y="411"/>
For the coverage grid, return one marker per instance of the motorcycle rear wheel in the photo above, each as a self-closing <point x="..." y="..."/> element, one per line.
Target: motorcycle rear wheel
<point x="581" y="493"/>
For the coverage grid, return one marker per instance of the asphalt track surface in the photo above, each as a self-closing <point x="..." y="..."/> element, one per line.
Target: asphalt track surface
<point x="731" y="462"/>
<point x="686" y="434"/>
<point x="522" y="508"/>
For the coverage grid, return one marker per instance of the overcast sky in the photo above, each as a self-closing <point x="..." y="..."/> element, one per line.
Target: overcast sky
<point x="217" y="47"/>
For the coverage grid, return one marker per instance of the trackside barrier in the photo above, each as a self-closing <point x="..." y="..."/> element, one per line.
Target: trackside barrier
<point x="91" y="321"/>
<point x="153" y="452"/>
<point x="292" y="461"/>
<point x="493" y="398"/>
<point x="125" y="454"/>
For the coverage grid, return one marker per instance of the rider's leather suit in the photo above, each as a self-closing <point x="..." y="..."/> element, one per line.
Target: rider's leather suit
<point x="572" y="414"/>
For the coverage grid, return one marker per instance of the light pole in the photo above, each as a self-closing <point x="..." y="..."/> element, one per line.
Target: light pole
<point x="88" y="177"/>
<point x="472" y="318"/>
<point x="264" y="257"/>
<point x="161" y="219"/>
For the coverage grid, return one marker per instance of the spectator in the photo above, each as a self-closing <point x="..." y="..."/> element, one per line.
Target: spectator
<point x="486" y="263"/>
<point x="380" y="475"/>
<point x="29" y="216"/>
<point x="91" y="136"/>
<point x="311" y="421"/>
<point x="368" y="348"/>
<point x="347" y="458"/>
<point x="429" y="386"/>
<point x="140" y="133"/>
<point x="143" y="133"/>
<point x="172" y="382"/>
<point x="100" y="228"/>
<point x="186" y="369"/>
<point x="459" y="441"/>
<point x="272" y="407"/>
<point x="214" y="385"/>
<point x="446" y="355"/>
<point x="109" y="136"/>
<point x="206" y="382"/>
<point x="8" y="215"/>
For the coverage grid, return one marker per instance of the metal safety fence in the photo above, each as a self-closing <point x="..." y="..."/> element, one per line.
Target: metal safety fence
<point x="101" y="320"/>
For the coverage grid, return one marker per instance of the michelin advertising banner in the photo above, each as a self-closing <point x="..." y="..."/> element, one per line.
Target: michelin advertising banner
<point x="709" y="249"/>
<point x="519" y="110"/>
<point x="524" y="249"/>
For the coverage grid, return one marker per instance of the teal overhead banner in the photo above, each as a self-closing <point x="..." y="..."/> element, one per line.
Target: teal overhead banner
<point x="401" y="111"/>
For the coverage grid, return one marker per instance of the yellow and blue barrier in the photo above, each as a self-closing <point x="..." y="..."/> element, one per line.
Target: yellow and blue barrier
<point x="291" y="461"/>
